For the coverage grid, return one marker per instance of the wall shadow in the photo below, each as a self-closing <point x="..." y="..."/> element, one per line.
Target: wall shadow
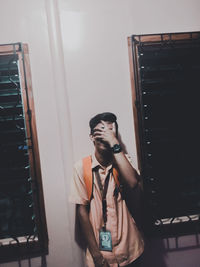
<point x="154" y="254"/>
<point x="43" y="262"/>
<point x="78" y="233"/>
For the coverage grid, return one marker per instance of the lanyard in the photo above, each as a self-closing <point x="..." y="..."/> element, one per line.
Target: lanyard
<point x="103" y="191"/>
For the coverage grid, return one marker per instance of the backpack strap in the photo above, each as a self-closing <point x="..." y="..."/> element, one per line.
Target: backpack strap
<point x="88" y="176"/>
<point x="116" y="177"/>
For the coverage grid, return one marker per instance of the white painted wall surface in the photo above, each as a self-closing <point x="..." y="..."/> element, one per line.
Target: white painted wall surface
<point x="79" y="62"/>
<point x="35" y="23"/>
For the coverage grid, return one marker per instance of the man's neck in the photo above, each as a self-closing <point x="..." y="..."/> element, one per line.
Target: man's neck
<point x="104" y="159"/>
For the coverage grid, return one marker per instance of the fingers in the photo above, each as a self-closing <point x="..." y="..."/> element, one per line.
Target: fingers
<point x="114" y="127"/>
<point x="98" y="130"/>
<point x="101" y="126"/>
<point x="104" y="125"/>
<point x="101" y="262"/>
<point x="97" y="133"/>
<point x="108" y="125"/>
<point x="98" y="137"/>
<point x="104" y="131"/>
<point x="106" y="264"/>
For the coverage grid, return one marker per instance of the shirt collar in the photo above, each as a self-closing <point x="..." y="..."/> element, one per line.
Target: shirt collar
<point x="96" y="164"/>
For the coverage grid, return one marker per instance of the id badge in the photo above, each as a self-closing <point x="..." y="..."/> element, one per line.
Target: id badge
<point x="105" y="240"/>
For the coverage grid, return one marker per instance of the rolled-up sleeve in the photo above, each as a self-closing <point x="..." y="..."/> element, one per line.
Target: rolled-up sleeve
<point x="78" y="192"/>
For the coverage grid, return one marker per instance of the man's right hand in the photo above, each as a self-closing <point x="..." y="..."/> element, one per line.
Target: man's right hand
<point x="83" y="215"/>
<point x="101" y="262"/>
<point x="106" y="264"/>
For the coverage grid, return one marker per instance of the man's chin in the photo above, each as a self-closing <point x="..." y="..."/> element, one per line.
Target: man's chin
<point x="103" y="146"/>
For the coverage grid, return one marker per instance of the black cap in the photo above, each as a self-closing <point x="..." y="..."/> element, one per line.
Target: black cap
<point x="105" y="116"/>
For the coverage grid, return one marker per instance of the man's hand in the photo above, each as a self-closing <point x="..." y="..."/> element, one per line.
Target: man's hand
<point x="101" y="262"/>
<point x="106" y="132"/>
<point x="83" y="215"/>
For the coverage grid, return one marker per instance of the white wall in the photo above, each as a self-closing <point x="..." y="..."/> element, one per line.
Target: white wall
<point x="79" y="62"/>
<point x="33" y="22"/>
<point x="96" y="58"/>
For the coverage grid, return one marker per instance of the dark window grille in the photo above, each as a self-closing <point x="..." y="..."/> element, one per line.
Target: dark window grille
<point x="165" y="71"/>
<point x="23" y="230"/>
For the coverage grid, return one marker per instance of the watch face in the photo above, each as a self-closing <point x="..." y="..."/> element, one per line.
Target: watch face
<point x="116" y="148"/>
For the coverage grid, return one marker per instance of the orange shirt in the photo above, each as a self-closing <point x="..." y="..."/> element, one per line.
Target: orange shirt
<point x="127" y="241"/>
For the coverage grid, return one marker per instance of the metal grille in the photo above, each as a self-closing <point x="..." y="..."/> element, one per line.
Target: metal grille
<point x="167" y="88"/>
<point x="16" y="200"/>
<point x="20" y="208"/>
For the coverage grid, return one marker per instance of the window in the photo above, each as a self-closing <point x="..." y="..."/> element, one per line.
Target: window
<point x="23" y="231"/>
<point x="165" y="71"/>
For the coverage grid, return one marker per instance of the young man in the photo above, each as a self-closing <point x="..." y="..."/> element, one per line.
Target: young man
<point x="111" y="234"/>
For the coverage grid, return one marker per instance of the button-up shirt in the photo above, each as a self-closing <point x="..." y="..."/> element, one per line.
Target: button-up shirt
<point x="127" y="241"/>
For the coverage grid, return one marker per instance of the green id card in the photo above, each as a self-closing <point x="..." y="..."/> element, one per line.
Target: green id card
<point x="105" y="240"/>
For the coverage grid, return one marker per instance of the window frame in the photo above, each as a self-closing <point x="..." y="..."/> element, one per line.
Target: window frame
<point x="31" y="248"/>
<point x="173" y="227"/>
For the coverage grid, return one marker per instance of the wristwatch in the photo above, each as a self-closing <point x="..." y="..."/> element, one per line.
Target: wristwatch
<point x="116" y="148"/>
